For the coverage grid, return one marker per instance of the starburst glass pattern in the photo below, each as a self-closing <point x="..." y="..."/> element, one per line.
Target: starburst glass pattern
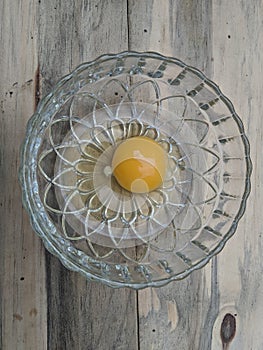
<point x="81" y="212"/>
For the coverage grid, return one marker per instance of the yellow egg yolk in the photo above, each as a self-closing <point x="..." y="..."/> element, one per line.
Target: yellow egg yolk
<point x="139" y="164"/>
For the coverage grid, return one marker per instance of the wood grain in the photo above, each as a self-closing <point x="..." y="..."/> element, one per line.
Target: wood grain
<point x="81" y="314"/>
<point x="203" y="34"/>
<point x="182" y="29"/>
<point x="44" y="306"/>
<point x="23" y="292"/>
<point x="238" y="66"/>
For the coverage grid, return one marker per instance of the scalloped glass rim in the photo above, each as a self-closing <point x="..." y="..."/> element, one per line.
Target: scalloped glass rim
<point x="43" y="226"/>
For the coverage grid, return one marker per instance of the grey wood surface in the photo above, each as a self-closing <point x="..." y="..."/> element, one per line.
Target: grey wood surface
<point x="44" y="306"/>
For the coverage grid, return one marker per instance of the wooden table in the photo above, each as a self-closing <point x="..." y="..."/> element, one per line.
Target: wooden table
<point x="44" y="306"/>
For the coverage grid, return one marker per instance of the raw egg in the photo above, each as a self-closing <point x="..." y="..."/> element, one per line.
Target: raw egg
<point x="139" y="164"/>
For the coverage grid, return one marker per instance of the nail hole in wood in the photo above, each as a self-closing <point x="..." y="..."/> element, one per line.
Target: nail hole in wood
<point x="145" y="30"/>
<point x="228" y="329"/>
<point x="229" y="36"/>
<point x="22" y="278"/>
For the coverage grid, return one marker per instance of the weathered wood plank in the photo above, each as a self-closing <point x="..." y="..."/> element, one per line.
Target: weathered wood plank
<point x="22" y="258"/>
<point x="195" y="313"/>
<point x="81" y="314"/>
<point x="238" y="67"/>
<point x="180" y="314"/>
<point x="173" y="28"/>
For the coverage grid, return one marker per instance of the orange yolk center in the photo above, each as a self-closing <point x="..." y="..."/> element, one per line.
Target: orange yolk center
<point x="139" y="164"/>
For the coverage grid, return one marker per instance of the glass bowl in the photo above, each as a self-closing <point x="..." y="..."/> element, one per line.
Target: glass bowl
<point x="82" y="214"/>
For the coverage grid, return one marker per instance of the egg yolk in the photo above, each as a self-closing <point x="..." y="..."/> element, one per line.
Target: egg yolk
<point x="139" y="164"/>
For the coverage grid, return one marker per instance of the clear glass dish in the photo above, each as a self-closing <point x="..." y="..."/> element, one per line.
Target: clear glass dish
<point x="109" y="234"/>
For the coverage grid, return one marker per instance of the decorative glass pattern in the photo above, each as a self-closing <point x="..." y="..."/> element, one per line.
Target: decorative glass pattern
<point x="103" y="231"/>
